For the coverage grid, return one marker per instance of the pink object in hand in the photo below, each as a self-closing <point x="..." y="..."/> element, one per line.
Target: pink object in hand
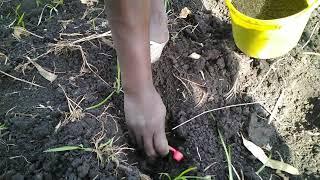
<point x="177" y="155"/>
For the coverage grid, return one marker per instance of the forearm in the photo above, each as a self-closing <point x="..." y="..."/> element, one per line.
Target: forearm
<point x="129" y="20"/>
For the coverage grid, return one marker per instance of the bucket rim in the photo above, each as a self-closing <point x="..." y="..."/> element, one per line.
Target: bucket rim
<point x="271" y="22"/>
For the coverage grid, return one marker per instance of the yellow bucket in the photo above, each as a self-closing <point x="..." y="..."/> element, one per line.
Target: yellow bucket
<point x="266" y="39"/>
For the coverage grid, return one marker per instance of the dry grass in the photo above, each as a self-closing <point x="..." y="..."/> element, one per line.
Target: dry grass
<point x="75" y="110"/>
<point x="21" y="80"/>
<point x="109" y="152"/>
<point x="233" y="91"/>
<point x="73" y="45"/>
<point x="212" y="110"/>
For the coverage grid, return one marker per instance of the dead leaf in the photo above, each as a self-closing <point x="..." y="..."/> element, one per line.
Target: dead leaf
<point x="46" y="74"/>
<point x="185" y="12"/>
<point x="19" y="31"/>
<point x="195" y="56"/>
<point x="274" y="164"/>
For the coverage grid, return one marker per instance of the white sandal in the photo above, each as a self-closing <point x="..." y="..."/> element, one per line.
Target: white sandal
<point x="156" y="50"/>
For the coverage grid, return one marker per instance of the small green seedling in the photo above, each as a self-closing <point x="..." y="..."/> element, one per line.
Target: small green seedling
<point x="19" y="16"/>
<point x="52" y="8"/>
<point x="117" y="85"/>
<point x="105" y="152"/>
<point x="102" y="102"/>
<point x="2" y="127"/>
<point x="182" y="175"/>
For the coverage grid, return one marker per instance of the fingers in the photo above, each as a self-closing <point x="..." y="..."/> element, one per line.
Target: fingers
<point x="161" y="143"/>
<point x="148" y="145"/>
<point x="153" y="145"/>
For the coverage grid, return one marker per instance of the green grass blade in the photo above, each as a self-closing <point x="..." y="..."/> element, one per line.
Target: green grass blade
<point x="102" y="102"/>
<point x="3" y="127"/>
<point x="63" y="148"/>
<point x="227" y="156"/>
<point x="118" y="80"/>
<point x="186" y="172"/>
<point x="196" y="177"/>
<point x="17" y="9"/>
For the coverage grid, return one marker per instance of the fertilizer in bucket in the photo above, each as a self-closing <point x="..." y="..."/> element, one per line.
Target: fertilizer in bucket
<point x="270" y="9"/>
<point x="267" y="29"/>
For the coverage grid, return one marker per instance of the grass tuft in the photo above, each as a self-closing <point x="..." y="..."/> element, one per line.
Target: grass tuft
<point x="105" y="151"/>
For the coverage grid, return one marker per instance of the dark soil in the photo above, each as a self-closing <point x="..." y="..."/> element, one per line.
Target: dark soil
<point x="188" y="88"/>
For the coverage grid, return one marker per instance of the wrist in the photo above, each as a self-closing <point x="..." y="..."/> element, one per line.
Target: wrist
<point x="139" y="89"/>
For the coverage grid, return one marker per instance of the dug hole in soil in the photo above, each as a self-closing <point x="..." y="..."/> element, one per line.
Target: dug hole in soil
<point x="36" y="119"/>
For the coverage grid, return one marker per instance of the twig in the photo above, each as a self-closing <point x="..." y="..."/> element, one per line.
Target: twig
<point x="217" y="109"/>
<point x="312" y="53"/>
<point x="198" y="153"/>
<point x="235" y="171"/>
<point x="193" y="82"/>
<point x="22" y="80"/>
<point x="208" y="167"/>
<point x="14" y="157"/>
<point x="183" y="83"/>
<point x="21" y="29"/>
<point x="265" y="108"/>
<point x="313" y="31"/>
<point x="177" y="33"/>
<point x="204" y="95"/>
<point x="5" y="57"/>
<point x="276" y="106"/>
<point x="10" y="110"/>
<point x="233" y="91"/>
<point x="313" y="134"/>
<point x="91" y="37"/>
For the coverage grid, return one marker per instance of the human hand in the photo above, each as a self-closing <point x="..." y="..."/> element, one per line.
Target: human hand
<point x="145" y="116"/>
